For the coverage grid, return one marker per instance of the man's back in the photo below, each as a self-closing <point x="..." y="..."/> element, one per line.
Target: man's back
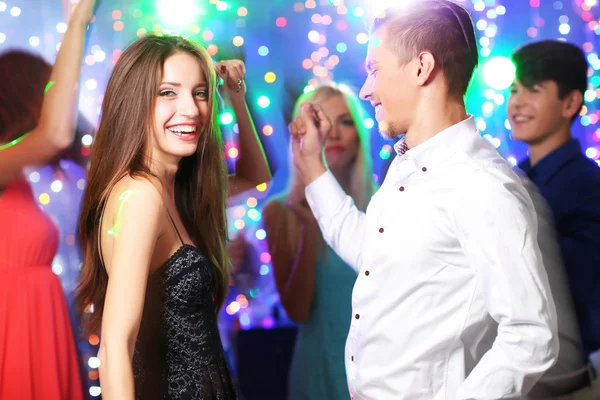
<point x="570" y="183"/>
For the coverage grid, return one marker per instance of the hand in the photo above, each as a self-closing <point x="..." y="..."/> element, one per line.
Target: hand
<point x="236" y="249"/>
<point x="83" y="11"/>
<point x="309" y="132"/>
<point x="233" y="73"/>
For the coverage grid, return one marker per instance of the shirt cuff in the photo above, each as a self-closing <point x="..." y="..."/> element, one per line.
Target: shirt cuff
<point x="324" y="195"/>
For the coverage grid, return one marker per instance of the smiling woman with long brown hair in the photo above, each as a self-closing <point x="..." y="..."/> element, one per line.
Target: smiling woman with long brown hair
<point x="153" y="225"/>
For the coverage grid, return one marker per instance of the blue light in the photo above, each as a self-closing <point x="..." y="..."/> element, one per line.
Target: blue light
<point x="341" y="47"/>
<point x="261" y="234"/>
<point x="263" y="50"/>
<point x="264" y="269"/>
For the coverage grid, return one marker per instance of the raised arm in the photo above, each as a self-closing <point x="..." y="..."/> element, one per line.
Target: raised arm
<point x="251" y="168"/>
<point x="55" y="130"/>
<point x="134" y="220"/>
<point x="341" y="222"/>
<point x="293" y="237"/>
<point x="497" y="228"/>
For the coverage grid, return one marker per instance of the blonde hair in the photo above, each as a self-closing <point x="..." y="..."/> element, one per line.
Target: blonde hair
<point x="362" y="186"/>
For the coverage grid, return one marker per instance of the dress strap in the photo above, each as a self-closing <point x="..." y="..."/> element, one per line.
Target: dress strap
<point x="175" y="227"/>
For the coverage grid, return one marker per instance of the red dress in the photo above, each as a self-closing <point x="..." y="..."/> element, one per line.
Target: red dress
<point x="38" y="359"/>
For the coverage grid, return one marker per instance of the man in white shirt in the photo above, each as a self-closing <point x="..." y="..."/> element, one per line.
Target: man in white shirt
<point x="452" y="300"/>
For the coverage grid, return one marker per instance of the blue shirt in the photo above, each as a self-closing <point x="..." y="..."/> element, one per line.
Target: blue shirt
<point x="570" y="182"/>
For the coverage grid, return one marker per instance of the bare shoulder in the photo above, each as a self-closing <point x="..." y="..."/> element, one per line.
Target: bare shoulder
<point x="135" y="202"/>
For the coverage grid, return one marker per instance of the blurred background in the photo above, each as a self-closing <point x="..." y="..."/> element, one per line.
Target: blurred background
<point x="288" y="47"/>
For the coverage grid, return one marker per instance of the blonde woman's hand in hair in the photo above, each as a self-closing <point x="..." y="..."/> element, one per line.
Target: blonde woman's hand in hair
<point x="233" y="73"/>
<point x="309" y="132"/>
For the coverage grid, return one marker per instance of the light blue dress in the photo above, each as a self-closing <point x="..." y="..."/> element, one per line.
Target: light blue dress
<point x="317" y="371"/>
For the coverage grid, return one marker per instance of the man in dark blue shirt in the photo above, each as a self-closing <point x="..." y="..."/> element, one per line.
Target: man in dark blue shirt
<point x="546" y="97"/>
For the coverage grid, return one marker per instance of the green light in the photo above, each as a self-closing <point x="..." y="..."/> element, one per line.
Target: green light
<point x="385" y="153"/>
<point x="226" y="118"/>
<point x="499" y="73"/>
<point x="114" y="231"/>
<point x="263" y="101"/>
<point x="590" y="95"/>
<point x="308" y="89"/>
<point x="180" y="13"/>
<point x="14" y="142"/>
<point x="48" y="86"/>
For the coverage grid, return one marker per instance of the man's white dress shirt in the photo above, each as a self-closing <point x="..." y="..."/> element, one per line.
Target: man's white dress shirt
<point x="452" y="300"/>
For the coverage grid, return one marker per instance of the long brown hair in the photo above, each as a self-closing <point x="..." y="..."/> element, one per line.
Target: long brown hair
<point x="23" y="80"/>
<point x="120" y="147"/>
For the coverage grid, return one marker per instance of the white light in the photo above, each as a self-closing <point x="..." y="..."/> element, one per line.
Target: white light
<point x="94" y="362"/>
<point x="487" y="107"/>
<point x="100" y="56"/>
<point x="484" y="41"/>
<point x="81" y="184"/>
<point x="368" y="123"/>
<point x="34" y="41"/>
<point x="91" y="84"/>
<point x="15" y="11"/>
<point x="591" y="152"/>
<point x="56" y="186"/>
<point x="496" y="142"/>
<point x="87" y="140"/>
<point x="313" y="36"/>
<point x="491" y="31"/>
<point x="261" y="234"/>
<point x="264" y="269"/>
<point x="501" y="10"/>
<point x="2" y="37"/>
<point x="57" y="269"/>
<point x="479" y="6"/>
<point x="2" y="6"/>
<point x="564" y="29"/>
<point x="61" y="27"/>
<point x="58" y="46"/>
<point x="95" y="391"/>
<point x="482" y="24"/>
<point x="489" y="94"/>
<point x="507" y="124"/>
<point x="481" y="125"/>
<point x="499" y="99"/>
<point x="34" y="177"/>
<point x="512" y="160"/>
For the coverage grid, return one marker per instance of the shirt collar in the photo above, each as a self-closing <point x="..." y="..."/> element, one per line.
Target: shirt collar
<point x="553" y="162"/>
<point x="439" y="147"/>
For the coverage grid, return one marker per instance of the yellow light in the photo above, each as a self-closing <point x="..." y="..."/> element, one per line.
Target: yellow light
<point x="362" y="38"/>
<point x="242" y="12"/>
<point x="262" y="187"/>
<point x="44" y="198"/>
<point x="238" y="41"/>
<point x="195" y="29"/>
<point x="270" y="77"/>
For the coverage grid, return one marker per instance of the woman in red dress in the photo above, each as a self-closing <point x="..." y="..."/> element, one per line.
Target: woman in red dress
<point x="38" y="358"/>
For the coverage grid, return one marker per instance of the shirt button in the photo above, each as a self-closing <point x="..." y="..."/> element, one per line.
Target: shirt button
<point x="424" y="169"/>
<point x="402" y="188"/>
<point x="357" y="316"/>
<point x="367" y="273"/>
<point x="380" y="230"/>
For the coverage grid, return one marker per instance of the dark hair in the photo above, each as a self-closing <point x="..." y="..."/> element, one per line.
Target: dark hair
<point x="441" y="27"/>
<point x="552" y="60"/>
<point x="23" y="79"/>
<point x="120" y="148"/>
